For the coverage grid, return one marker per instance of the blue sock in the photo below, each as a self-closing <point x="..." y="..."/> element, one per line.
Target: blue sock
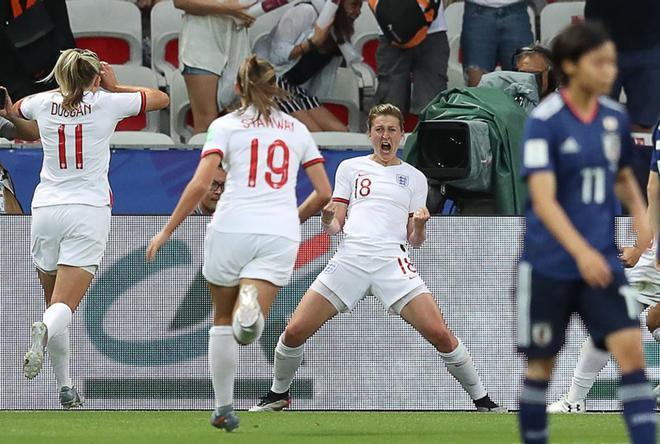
<point x="638" y="407"/>
<point x="532" y="417"/>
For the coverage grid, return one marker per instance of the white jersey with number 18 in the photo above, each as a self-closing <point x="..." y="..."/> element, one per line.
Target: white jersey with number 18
<point x="380" y="201"/>
<point x="262" y="160"/>
<point x="76" y="144"/>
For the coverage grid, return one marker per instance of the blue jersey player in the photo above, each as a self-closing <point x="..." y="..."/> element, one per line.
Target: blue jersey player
<point x="576" y="162"/>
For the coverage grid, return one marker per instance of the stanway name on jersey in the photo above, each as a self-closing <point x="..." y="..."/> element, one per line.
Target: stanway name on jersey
<point x="282" y="124"/>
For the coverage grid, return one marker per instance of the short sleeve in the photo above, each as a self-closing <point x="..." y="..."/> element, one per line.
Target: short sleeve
<point x="655" y="155"/>
<point x="420" y="193"/>
<point x="342" y="191"/>
<point x="538" y="151"/>
<point x="625" y="160"/>
<point x="29" y="107"/>
<point x="311" y="155"/>
<point x="217" y="139"/>
<point x="127" y="104"/>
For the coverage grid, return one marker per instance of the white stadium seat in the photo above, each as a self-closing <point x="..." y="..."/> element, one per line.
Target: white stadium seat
<point x="179" y="109"/>
<point x="141" y="138"/>
<point x="165" y="28"/>
<point x="344" y="101"/>
<point x="342" y="141"/>
<point x="111" y="28"/>
<point x="138" y="76"/>
<point x="197" y="139"/>
<point x="557" y="16"/>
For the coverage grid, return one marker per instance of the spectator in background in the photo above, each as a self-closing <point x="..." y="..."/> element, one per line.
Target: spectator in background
<point x="635" y="30"/>
<point x="31" y="37"/>
<point x="212" y="44"/>
<point x="536" y="59"/>
<point x="306" y="59"/>
<point x="12" y="126"/>
<point x="424" y="64"/>
<point x="207" y="205"/>
<point x="492" y="32"/>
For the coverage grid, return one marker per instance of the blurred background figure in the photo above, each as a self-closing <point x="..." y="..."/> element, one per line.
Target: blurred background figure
<point x="536" y="59"/>
<point x="210" y="200"/>
<point x="492" y="32"/>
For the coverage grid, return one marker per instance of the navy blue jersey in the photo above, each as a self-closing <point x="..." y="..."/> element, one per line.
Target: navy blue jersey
<point x="655" y="157"/>
<point x="585" y="157"/>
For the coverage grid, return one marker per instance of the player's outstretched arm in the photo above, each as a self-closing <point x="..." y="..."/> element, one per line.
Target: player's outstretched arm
<point x="653" y="195"/>
<point x="593" y="267"/>
<point x="628" y="192"/>
<point x="321" y="194"/>
<point x="191" y="196"/>
<point x="155" y="99"/>
<point x="417" y="227"/>
<point x="25" y="129"/>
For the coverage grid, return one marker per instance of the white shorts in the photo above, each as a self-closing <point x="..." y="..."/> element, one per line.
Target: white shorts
<point x="229" y="257"/>
<point x="392" y="280"/>
<point x="71" y="234"/>
<point x="645" y="278"/>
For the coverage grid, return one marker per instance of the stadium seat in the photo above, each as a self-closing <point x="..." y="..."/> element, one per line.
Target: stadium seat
<point x="197" y="139"/>
<point x="366" y="35"/>
<point x="180" y="115"/>
<point x="138" y="76"/>
<point x="133" y="138"/>
<point x="111" y="28"/>
<point x="343" y="102"/>
<point x="165" y="27"/>
<point x="557" y="16"/>
<point x="338" y="141"/>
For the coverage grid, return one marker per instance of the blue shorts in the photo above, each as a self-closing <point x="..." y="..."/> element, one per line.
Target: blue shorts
<point x="639" y="76"/>
<point x="492" y="35"/>
<point x="192" y="71"/>
<point x="545" y="306"/>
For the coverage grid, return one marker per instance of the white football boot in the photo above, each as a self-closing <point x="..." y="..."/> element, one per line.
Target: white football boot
<point x="564" y="406"/>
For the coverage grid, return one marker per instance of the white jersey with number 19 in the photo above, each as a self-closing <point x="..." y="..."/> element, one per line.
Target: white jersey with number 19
<point x="262" y="160"/>
<point x="76" y="144"/>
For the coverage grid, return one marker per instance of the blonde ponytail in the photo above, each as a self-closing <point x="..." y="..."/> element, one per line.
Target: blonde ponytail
<point x="75" y="71"/>
<point x="257" y="82"/>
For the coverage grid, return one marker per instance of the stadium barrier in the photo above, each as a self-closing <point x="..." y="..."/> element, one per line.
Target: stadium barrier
<point x="139" y="337"/>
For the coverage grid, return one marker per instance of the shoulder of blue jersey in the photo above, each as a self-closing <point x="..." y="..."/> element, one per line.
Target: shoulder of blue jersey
<point x="549" y="107"/>
<point x="611" y="104"/>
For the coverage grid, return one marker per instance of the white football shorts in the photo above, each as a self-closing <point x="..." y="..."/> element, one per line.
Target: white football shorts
<point x="645" y="278"/>
<point x="392" y="280"/>
<point x="71" y="234"/>
<point x="229" y="257"/>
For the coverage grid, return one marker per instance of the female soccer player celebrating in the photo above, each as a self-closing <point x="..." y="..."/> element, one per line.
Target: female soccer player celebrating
<point x="252" y="241"/>
<point x="71" y="205"/>
<point x="384" y="199"/>
<point x="576" y="161"/>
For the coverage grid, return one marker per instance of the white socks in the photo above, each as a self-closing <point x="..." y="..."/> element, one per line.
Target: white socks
<point x="223" y="353"/>
<point x="59" y="353"/>
<point x="57" y="318"/>
<point x="590" y="362"/>
<point x="459" y="364"/>
<point x="246" y="336"/>
<point x="287" y="361"/>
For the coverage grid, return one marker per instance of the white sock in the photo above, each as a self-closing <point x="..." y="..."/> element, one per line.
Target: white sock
<point x="590" y="362"/>
<point x="245" y="336"/>
<point x="656" y="334"/>
<point x="223" y="353"/>
<point x="57" y="318"/>
<point x="460" y="365"/>
<point x="59" y="353"/>
<point x="287" y="361"/>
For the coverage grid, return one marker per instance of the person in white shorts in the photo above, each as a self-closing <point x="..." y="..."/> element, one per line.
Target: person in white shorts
<point x="71" y="204"/>
<point x="645" y="278"/>
<point x="379" y="201"/>
<point x="252" y="241"/>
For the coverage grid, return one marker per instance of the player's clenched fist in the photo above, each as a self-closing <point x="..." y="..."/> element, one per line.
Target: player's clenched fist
<point x="328" y="213"/>
<point x="421" y="216"/>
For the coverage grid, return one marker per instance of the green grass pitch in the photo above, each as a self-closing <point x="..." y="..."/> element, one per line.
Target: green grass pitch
<point x="163" y="427"/>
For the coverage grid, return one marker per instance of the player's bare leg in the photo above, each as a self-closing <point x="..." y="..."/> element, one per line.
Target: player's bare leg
<point x="63" y="292"/>
<point x="634" y="391"/>
<point x="312" y="312"/>
<point x="425" y="316"/>
<point x="202" y="91"/>
<point x="222" y="356"/>
<point x="653" y="324"/>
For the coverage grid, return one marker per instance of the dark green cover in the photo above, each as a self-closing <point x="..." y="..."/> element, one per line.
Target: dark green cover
<point x="505" y="119"/>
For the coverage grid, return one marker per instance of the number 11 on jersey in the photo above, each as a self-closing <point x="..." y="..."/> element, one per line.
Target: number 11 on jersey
<point x="61" y="143"/>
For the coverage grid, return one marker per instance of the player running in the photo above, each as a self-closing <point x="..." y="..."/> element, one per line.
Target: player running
<point x="71" y="204"/>
<point x="646" y="280"/>
<point x="577" y="161"/>
<point x="252" y="241"/>
<point x="379" y="201"/>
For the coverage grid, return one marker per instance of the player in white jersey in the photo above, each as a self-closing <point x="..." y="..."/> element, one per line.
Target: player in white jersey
<point x="379" y="202"/>
<point x="71" y="204"/>
<point x="252" y="241"/>
<point x="645" y="278"/>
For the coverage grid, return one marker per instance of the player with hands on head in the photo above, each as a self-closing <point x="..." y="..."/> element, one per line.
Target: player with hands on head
<point x="576" y="160"/>
<point x="252" y="241"/>
<point x="379" y="203"/>
<point x="72" y="203"/>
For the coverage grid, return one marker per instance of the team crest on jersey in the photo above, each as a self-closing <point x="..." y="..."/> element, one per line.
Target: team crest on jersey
<point x="402" y="180"/>
<point x="330" y="268"/>
<point x="610" y="123"/>
<point x="542" y="334"/>
<point x="612" y="149"/>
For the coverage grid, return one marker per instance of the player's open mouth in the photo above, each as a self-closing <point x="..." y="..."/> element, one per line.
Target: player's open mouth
<point x="385" y="147"/>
